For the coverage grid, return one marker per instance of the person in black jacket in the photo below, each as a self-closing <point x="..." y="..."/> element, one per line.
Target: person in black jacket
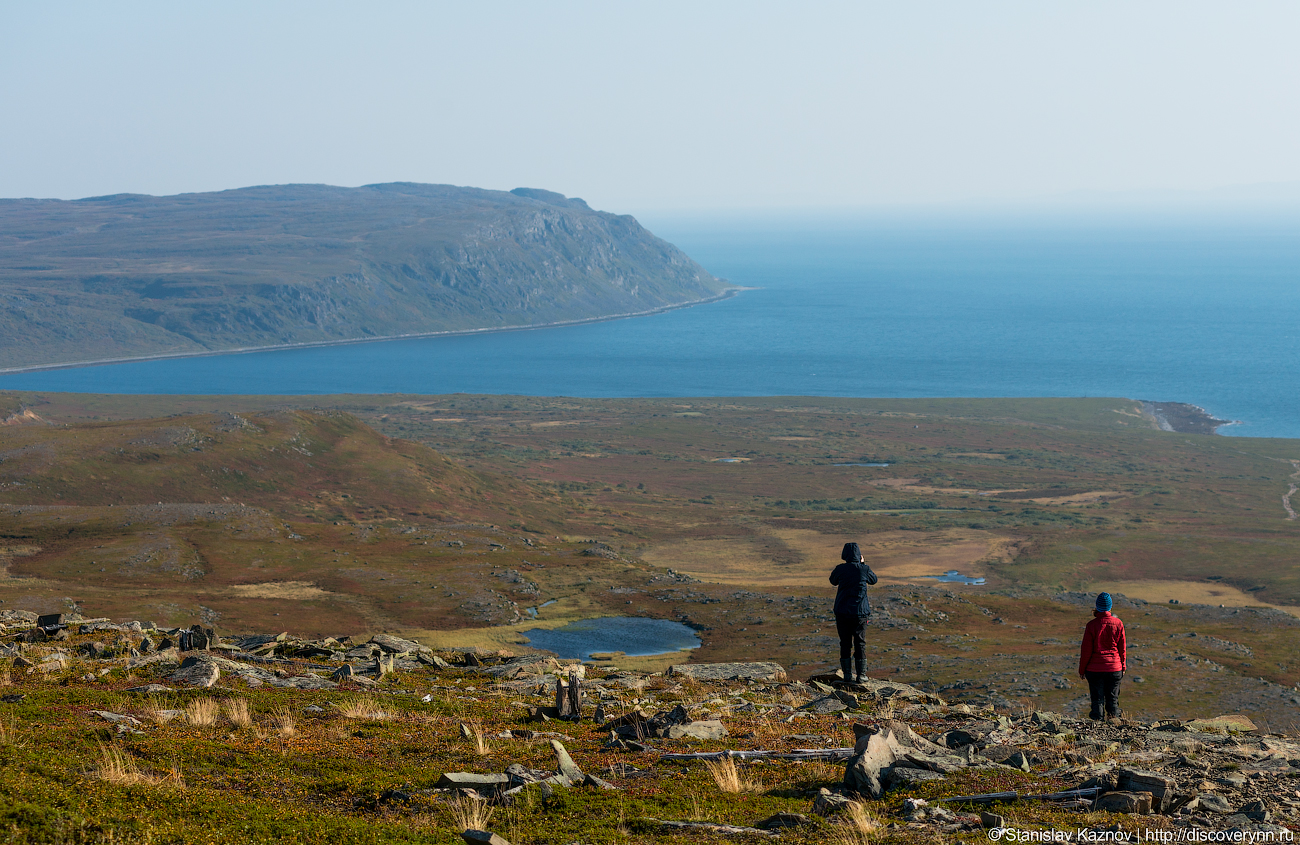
<point x="852" y="611"/>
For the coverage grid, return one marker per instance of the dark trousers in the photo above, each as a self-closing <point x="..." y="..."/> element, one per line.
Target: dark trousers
<point x="1103" y="687"/>
<point x="853" y="636"/>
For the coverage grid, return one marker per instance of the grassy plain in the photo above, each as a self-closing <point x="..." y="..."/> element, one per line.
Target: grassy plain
<point x="448" y="517"/>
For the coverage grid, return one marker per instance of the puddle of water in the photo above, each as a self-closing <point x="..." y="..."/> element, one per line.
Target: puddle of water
<point x="635" y="636"/>
<point x="729" y="461"/>
<point x="532" y="611"/>
<point x="859" y="465"/>
<point x="952" y="576"/>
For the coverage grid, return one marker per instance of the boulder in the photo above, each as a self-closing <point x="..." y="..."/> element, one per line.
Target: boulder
<point x="992" y="821"/>
<point x="825" y="704"/>
<point x="1256" y="811"/>
<point x="1212" y="803"/>
<point x="730" y="671"/>
<point x="876" y="750"/>
<point x="904" y="776"/>
<point x="958" y="739"/>
<point x="781" y="820"/>
<point x="1136" y="803"/>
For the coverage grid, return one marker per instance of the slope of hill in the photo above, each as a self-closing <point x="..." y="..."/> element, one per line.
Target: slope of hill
<point x="133" y="275"/>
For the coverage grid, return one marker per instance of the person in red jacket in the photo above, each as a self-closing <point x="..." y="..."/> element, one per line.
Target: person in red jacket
<point x="1103" y="657"/>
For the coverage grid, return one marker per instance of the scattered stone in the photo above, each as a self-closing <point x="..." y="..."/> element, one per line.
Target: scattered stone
<point x="1256" y="811"/>
<point x="482" y="837"/>
<point x="150" y="689"/>
<point x="1213" y="803"/>
<point x="116" y="718"/>
<point x="711" y="729"/>
<point x="196" y="673"/>
<point x="13" y="699"/>
<point x="781" y="820"/>
<point x="465" y="732"/>
<point x="992" y="821"/>
<point x="1134" y="803"/>
<point x="592" y="780"/>
<point x="829" y="803"/>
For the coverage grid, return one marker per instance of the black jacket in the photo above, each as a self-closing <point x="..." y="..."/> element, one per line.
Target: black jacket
<point x="853" y="580"/>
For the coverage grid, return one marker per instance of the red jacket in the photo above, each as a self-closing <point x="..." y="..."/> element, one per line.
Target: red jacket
<point x="1104" y="649"/>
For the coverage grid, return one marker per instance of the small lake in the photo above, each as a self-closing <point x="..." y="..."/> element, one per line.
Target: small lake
<point x="635" y="636"/>
<point x="952" y="576"/>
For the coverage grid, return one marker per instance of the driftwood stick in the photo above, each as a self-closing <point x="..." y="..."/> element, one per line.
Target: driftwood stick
<point x="1013" y="796"/>
<point x="711" y="828"/>
<point x="808" y="754"/>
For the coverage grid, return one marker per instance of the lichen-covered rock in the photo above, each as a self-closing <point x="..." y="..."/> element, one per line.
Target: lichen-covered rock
<point x="730" y="671"/>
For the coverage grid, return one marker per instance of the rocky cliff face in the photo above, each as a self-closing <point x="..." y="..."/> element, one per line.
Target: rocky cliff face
<point x="136" y="275"/>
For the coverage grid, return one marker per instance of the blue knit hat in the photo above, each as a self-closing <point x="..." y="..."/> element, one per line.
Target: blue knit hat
<point x="1103" y="601"/>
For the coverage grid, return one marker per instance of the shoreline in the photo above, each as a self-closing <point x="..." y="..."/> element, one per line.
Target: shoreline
<point x="1184" y="418"/>
<point x="245" y="350"/>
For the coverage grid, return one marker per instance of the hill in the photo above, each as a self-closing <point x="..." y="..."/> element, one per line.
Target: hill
<point x="132" y="275"/>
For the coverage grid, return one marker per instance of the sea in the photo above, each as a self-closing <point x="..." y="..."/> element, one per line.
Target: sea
<point x="1196" y="308"/>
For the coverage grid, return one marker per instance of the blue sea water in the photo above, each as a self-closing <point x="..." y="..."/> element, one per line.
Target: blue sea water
<point x="1191" y="309"/>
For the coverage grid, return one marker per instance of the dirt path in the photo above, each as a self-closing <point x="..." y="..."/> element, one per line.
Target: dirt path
<point x="1286" y="500"/>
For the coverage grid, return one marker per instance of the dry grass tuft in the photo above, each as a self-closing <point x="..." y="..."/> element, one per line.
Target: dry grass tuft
<point x="120" y="770"/>
<point x="471" y="813"/>
<point x="9" y="731"/>
<point x="363" y="708"/>
<point x="727" y="775"/>
<point x="285" y="722"/>
<point x="237" y="712"/>
<point x="481" y="747"/>
<point x="5" y="678"/>
<point x="203" y="712"/>
<point x="857" y="828"/>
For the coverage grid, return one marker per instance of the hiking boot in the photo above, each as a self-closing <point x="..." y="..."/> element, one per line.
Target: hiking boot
<point x="860" y="671"/>
<point x="846" y="669"/>
<point x="1095" y="716"/>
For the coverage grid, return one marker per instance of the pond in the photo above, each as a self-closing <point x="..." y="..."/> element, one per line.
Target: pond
<point x="633" y="635"/>
<point x="952" y="576"/>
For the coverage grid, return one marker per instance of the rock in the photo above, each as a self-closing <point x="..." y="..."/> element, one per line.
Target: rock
<point x="465" y="732"/>
<point x="1136" y="803"/>
<point x="1213" y="803"/>
<point x="712" y="729"/>
<point x="150" y="689"/>
<point x="1046" y="722"/>
<point x="1222" y="724"/>
<point x="829" y="803"/>
<point x="196" y="673"/>
<point x="895" y="690"/>
<point x="21" y="662"/>
<point x="1018" y="760"/>
<point x="1162" y="788"/>
<point x="825" y="704"/>
<point x="781" y="820"/>
<point x="592" y="780"/>
<point x="1256" y="811"/>
<point x="958" y="739"/>
<point x="564" y="763"/>
<point x="992" y="821"/>
<point x="875" y="750"/>
<point x="116" y="718"/>
<point x="433" y="660"/>
<point x="50" y="620"/>
<point x="911" y="805"/>
<point x="13" y="698"/>
<point x="397" y="645"/>
<point x="730" y="671"/>
<point x="344" y="673"/>
<point x="482" y="837"/>
<point x="903" y="776"/>
<point x="470" y="780"/>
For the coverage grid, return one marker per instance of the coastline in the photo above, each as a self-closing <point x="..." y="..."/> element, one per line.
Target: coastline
<point x="1183" y="418"/>
<point x="244" y="350"/>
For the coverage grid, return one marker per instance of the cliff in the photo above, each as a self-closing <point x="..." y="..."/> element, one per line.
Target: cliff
<point x="132" y="275"/>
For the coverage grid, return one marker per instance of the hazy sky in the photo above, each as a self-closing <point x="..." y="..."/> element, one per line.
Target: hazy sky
<point x="656" y="105"/>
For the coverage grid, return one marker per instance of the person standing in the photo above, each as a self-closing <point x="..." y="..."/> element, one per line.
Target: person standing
<point x="852" y="611"/>
<point x="1103" y="657"/>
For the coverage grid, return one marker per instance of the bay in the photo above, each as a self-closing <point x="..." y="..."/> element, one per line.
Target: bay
<point x="1189" y="309"/>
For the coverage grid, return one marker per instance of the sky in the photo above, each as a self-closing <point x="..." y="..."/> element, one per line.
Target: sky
<point x="659" y="106"/>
